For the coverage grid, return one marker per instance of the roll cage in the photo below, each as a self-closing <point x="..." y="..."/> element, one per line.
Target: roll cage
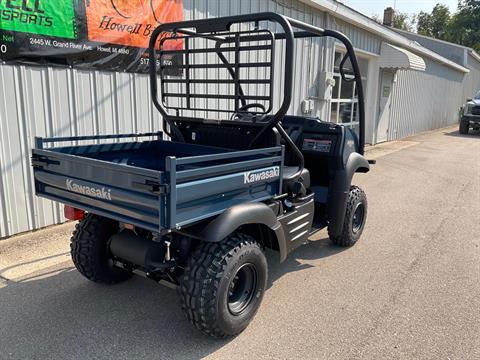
<point x="218" y="31"/>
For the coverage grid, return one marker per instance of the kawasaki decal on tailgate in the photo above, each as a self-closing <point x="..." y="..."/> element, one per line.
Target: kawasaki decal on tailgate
<point x="100" y="193"/>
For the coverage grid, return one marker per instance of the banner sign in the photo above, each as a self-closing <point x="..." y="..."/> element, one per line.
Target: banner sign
<point x="86" y="34"/>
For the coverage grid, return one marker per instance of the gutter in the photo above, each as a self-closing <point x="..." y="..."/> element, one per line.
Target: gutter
<point x="475" y="55"/>
<point x="351" y="16"/>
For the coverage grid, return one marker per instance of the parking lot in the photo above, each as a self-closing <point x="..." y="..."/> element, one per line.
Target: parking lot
<point x="409" y="289"/>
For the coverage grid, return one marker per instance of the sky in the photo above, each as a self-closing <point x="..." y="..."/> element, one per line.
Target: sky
<point x="376" y="7"/>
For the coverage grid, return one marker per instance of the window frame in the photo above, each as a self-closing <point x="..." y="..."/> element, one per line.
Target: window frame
<point x="335" y="102"/>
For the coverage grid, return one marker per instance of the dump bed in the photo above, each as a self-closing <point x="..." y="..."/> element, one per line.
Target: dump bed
<point x="154" y="184"/>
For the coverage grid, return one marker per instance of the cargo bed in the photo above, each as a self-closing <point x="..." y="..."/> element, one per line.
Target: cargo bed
<point x="154" y="184"/>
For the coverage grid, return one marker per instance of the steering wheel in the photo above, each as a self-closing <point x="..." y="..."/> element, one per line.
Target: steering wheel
<point x="244" y="113"/>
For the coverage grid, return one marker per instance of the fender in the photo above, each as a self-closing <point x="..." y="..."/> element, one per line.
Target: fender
<point x="356" y="164"/>
<point x="338" y="194"/>
<point x="244" y="214"/>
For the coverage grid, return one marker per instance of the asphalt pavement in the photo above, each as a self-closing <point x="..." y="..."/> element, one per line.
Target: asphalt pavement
<point x="410" y="289"/>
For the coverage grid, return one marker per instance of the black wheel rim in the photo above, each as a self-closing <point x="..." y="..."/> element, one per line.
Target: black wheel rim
<point x="242" y="289"/>
<point x="358" y="218"/>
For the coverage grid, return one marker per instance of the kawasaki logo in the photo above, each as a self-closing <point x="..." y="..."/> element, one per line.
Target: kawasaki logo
<point x="105" y="194"/>
<point x="261" y="175"/>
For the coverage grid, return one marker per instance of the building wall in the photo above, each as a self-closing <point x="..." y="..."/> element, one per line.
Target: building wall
<point x="45" y="101"/>
<point x="309" y="55"/>
<point x="456" y="53"/>
<point x="38" y="101"/>
<point x="424" y="101"/>
<point x="359" y="37"/>
<point x="452" y="52"/>
<point x="472" y="79"/>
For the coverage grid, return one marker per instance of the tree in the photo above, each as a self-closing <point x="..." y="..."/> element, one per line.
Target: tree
<point x="440" y="18"/>
<point x="464" y="27"/>
<point x="423" y="23"/>
<point x="402" y="21"/>
<point x="434" y="24"/>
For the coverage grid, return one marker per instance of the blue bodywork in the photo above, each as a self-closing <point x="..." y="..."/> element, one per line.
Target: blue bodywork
<point x="154" y="184"/>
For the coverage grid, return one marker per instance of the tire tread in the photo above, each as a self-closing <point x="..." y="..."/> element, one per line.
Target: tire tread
<point x="345" y="239"/>
<point x="201" y="280"/>
<point x="88" y="238"/>
<point x="464" y="127"/>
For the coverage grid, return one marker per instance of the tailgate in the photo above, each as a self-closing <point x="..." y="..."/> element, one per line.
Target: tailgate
<point x="121" y="192"/>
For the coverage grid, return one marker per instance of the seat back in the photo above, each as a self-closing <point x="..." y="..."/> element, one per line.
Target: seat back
<point x="228" y="136"/>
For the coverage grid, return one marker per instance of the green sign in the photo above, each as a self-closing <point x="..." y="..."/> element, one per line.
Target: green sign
<point x="86" y="34"/>
<point x="40" y="17"/>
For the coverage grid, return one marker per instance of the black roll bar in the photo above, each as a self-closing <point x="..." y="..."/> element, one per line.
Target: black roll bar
<point x="217" y="25"/>
<point x="212" y="29"/>
<point x="313" y="31"/>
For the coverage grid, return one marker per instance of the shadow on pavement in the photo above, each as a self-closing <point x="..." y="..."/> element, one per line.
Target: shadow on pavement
<point x="471" y="134"/>
<point x="59" y="314"/>
<point x="313" y="250"/>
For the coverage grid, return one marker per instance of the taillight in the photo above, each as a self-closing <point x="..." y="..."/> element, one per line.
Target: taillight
<point x="73" y="214"/>
<point x="129" y="227"/>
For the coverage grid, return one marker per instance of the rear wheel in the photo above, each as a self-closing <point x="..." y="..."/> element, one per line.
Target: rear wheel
<point x="89" y="250"/>
<point x="355" y="217"/>
<point x="464" y="127"/>
<point x="223" y="285"/>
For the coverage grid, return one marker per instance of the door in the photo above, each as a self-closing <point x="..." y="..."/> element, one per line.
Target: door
<point x="386" y="85"/>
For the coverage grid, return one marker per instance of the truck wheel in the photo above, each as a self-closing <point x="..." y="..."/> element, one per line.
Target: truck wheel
<point x="355" y="217"/>
<point x="89" y="250"/>
<point x="223" y="285"/>
<point x="464" y="127"/>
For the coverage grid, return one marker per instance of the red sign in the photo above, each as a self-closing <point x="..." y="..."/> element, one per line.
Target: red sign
<point x="130" y="22"/>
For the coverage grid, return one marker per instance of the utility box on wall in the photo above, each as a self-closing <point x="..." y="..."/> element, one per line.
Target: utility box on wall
<point x="308" y="106"/>
<point x="326" y="85"/>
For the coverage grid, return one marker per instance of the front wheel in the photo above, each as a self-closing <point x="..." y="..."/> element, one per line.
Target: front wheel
<point x="464" y="127"/>
<point x="355" y="217"/>
<point x="223" y="285"/>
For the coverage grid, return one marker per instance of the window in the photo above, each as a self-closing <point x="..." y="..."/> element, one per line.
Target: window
<point x="344" y="95"/>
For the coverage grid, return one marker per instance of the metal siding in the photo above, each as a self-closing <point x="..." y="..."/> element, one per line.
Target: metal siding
<point x="41" y="101"/>
<point x="44" y="101"/>
<point x="360" y="38"/>
<point x="450" y="51"/>
<point x="424" y="101"/>
<point x="472" y="79"/>
<point x="308" y="52"/>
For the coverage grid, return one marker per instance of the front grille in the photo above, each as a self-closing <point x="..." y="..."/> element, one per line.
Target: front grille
<point x="476" y="110"/>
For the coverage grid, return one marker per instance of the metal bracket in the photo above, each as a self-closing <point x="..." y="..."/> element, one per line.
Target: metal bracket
<point x="40" y="162"/>
<point x="152" y="187"/>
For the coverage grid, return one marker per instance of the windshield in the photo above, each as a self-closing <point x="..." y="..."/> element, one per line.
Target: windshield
<point x="477" y="97"/>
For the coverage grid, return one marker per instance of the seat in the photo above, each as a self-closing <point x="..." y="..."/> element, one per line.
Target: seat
<point x="288" y="171"/>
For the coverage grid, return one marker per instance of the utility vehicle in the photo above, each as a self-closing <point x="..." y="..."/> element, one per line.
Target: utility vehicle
<point x="235" y="175"/>
<point x="470" y="117"/>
